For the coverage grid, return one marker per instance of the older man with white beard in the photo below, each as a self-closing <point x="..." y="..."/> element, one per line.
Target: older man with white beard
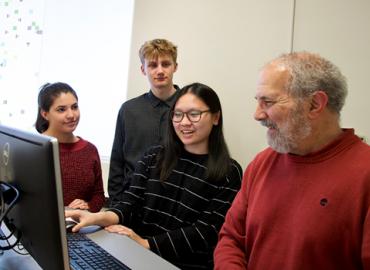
<point x="304" y="202"/>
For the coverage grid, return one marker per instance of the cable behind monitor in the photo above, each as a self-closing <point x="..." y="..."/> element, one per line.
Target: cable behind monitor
<point x="9" y="196"/>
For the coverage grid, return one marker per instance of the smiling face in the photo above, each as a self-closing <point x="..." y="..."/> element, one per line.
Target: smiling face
<point x="284" y="115"/>
<point x="194" y="135"/>
<point x="63" y="115"/>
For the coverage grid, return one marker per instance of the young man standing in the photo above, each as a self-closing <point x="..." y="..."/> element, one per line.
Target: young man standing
<point x="142" y="121"/>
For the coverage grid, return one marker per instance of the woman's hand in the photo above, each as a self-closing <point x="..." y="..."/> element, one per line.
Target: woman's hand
<point x="79" y="204"/>
<point x="85" y="218"/>
<point x="120" y="229"/>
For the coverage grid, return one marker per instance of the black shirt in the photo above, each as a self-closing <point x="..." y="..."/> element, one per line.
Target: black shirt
<point x="141" y="123"/>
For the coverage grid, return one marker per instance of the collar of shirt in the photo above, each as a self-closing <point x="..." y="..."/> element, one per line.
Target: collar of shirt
<point x="156" y="101"/>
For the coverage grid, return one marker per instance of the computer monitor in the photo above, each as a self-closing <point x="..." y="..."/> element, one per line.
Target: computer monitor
<point x="30" y="163"/>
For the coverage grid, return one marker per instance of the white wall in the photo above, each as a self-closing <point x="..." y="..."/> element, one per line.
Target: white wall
<point x="221" y="43"/>
<point x="340" y="31"/>
<point x="224" y="43"/>
<point x="83" y="43"/>
<point x="86" y="43"/>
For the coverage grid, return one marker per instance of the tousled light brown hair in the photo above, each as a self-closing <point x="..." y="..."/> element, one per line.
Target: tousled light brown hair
<point x="157" y="47"/>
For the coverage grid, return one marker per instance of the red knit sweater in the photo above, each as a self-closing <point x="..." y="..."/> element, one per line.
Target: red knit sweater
<point x="295" y="212"/>
<point x="81" y="174"/>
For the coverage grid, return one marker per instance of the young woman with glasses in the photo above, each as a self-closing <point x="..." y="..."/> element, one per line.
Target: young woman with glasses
<point x="180" y="192"/>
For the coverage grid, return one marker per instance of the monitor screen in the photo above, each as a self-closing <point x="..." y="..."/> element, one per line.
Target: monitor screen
<point x="30" y="163"/>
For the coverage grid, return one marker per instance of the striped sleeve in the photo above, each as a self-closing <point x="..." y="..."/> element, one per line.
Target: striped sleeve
<point x="133" y="197"/>
<point x="201" y="236"/>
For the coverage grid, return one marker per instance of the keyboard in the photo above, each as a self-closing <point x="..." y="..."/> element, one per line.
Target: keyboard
<point x="84" y="253"/>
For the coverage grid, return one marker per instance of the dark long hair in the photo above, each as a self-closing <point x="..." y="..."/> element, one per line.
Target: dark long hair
<point x="218" y="153"/>
<point x="48" y="93"/>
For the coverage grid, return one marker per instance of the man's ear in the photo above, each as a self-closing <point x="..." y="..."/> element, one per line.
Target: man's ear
<point x="143" y="70"/>
<point x="319" y="101"/>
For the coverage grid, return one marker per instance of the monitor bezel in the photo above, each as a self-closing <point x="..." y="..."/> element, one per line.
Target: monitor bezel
<point x="49" y="151"/>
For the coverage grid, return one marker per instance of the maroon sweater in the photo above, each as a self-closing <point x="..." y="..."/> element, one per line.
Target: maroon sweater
<point x="81" y="174"/>
<point x="301" y="212"/>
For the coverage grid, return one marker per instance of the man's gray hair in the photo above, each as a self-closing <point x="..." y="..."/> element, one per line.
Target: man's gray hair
<point x="309" y="73"/>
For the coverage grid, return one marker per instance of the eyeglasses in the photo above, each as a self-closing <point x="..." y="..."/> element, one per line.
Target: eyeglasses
<point x="193" y="115"/>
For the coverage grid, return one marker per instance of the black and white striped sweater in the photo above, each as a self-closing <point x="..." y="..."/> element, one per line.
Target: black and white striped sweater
<point x="180" y="217"/>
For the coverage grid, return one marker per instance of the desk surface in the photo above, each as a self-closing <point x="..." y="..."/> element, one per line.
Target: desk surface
<point x="122" y="247"/>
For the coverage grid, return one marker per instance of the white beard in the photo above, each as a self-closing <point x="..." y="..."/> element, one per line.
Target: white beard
<point x="289" y="135"/>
